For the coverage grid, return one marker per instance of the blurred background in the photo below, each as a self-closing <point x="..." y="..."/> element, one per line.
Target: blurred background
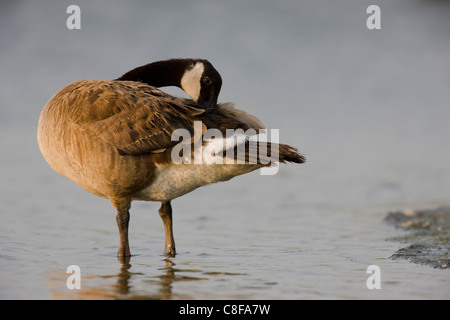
<point x="369" y="109"/>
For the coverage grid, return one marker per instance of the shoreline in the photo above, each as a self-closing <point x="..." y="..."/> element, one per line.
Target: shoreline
<point x="427" y="235"/>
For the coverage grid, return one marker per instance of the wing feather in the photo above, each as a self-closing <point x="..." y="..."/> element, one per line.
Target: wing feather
<point x="134" y="118"/>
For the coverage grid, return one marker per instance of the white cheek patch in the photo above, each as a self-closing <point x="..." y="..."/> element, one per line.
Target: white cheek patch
<point x="191" y="81"/>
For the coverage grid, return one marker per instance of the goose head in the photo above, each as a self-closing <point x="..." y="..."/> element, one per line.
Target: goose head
<point x="202" y="83"/>
<point x="197" y="77"/>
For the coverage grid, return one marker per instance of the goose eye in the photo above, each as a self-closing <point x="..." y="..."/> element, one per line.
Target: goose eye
<point x="207" y="81"/>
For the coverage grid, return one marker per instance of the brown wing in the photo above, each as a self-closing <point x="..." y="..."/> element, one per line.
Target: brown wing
<point x="138" y="119"/>
<point x="134" y="118"/>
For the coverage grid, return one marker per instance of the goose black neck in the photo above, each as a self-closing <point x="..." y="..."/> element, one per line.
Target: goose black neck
<point x="160" y="73"/>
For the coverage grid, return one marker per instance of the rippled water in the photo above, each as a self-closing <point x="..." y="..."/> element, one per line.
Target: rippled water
<point x="369" y="109"/>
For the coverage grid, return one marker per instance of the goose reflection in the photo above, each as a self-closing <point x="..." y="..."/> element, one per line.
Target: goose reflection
<point x="99" y="286"/>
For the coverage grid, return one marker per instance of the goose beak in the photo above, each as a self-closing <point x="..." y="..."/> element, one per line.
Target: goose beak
<point x="210" y="104"/>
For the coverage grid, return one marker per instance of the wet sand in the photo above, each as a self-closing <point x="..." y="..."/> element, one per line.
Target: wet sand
<point x="427" y="235"/>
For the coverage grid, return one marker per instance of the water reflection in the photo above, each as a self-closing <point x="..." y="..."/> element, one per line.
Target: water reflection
<point x="127" y="284"/>
<point x="123" y="286"/>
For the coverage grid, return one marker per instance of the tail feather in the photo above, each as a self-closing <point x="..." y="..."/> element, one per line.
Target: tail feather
<point x="290" y="154"/>
<point x="263" y="153"/>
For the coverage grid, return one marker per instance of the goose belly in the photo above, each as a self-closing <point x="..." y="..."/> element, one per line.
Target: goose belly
<point x="174" y="180"/>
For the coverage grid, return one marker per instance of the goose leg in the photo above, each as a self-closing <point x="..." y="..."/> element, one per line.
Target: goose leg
<point x="166" y="215"/>
<point x="123" y="218"/>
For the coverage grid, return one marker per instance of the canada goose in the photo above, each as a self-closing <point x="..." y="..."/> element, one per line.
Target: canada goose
<point x="113" y="138"/>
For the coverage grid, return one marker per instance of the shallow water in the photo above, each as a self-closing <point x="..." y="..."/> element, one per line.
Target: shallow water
<point x="369" y="109"/>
